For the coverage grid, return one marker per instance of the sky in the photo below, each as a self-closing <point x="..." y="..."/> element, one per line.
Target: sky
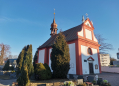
<point x="24" y="22"/>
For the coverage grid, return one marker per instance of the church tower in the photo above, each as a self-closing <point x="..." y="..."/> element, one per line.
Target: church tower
<point x="53" y="27"/>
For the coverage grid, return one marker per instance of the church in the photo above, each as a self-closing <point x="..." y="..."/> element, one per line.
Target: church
<point x="83" y="48"/>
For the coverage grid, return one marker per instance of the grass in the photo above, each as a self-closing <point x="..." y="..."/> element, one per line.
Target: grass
<point x="4" y="77"/>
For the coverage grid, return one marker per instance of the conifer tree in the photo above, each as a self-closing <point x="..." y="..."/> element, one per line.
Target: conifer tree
<point x="25" y="56"/>
<point x="6" y="67"/>
<point x="60" y="57"/>
<point x="23" y="80"/>
<point x="20" y="60"/>
<point x="28" y="60"/>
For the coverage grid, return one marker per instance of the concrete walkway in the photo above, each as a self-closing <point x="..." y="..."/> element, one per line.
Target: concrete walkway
<point x="7" y="82"/>
<point x="113" y="78"/>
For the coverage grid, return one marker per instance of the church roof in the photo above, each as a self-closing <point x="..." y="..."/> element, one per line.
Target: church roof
<point x="70" y="34"/>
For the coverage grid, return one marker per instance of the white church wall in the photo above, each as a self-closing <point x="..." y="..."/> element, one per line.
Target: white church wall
<point x="88" y="34"/>
<point x="85" y="66"/>
<point x="85" y="56"/>
<point x="41" y="56"/>
<point x="95" y="38"/>
<point x="72" y="52"/>
<point x="81" y="33"/>
<point x="95" y="56"/>
<point x="50" y="50"/>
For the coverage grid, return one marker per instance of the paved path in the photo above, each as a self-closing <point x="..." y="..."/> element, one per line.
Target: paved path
<point x="113" y="78"/>
<point x="7" y="82"/>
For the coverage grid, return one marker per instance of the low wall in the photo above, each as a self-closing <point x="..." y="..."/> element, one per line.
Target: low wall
<point x="110" y="69"/>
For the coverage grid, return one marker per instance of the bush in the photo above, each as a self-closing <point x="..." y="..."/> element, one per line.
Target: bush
<point x="48" y="71"/>
<point x="42" y="71"/>
<point x="11" y="68"/>
<point x="105" y="83"/>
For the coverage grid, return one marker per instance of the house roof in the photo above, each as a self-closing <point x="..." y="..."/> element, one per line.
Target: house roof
<point x="70" y="34"/>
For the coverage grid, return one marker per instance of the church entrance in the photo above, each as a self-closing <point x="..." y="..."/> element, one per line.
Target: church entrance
<point x="91" y="68"/>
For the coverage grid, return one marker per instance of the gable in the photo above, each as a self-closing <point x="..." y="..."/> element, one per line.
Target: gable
<point x="88" y="24"/>
<point x="80" y="33"/>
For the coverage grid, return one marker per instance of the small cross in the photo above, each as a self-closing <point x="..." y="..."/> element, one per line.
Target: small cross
<point x="54" y="13"/>
<point x="87" y="15"/>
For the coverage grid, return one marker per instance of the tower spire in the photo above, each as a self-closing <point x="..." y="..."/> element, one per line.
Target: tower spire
<point x="53" y="26"/>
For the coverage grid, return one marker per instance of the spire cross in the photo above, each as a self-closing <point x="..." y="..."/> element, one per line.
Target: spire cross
<point x="87" y="15"/>
<point x="54" y="13"/>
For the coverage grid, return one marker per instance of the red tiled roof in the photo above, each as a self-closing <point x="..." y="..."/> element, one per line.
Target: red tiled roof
<point x="70" y="34"/>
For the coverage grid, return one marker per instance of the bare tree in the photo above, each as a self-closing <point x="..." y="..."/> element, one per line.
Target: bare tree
<point x="104" y="46"/>
<point x="4" y="51"/>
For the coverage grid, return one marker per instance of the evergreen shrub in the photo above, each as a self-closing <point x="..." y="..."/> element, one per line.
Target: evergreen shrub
<point x="42" y="72"/>
<point x="6" y="67"/>
<point x="48" y="71"/>
<point x="60" y="57"/>
<point x="11" y="68"/>
<point x="23" y="79"/>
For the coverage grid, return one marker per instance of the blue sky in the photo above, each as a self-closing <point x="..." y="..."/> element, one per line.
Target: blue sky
<point x="24" y="22"/>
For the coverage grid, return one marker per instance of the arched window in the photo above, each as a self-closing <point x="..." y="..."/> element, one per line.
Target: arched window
<point x="89" y="51"/>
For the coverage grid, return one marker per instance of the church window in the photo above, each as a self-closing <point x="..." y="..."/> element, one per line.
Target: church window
<point x="89" y="51"/>
<point x="54" y="31"/>
<point x="88" y="24"/>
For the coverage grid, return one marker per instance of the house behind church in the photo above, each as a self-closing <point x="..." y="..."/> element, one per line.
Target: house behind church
<point x="83" y="48"/>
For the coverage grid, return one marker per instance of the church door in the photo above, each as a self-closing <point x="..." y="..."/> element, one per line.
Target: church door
<point x="91" y="68"/>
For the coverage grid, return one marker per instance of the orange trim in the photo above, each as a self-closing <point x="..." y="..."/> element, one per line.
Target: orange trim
<point x="90" y="58"/>
<point x="84" y="32"/>
<point x="48" y="54"/>
<point x="87" y="27"/>
<point x="80" y="59"/>
<point x="45" y="56"/>
<point x="92" y="36"/>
